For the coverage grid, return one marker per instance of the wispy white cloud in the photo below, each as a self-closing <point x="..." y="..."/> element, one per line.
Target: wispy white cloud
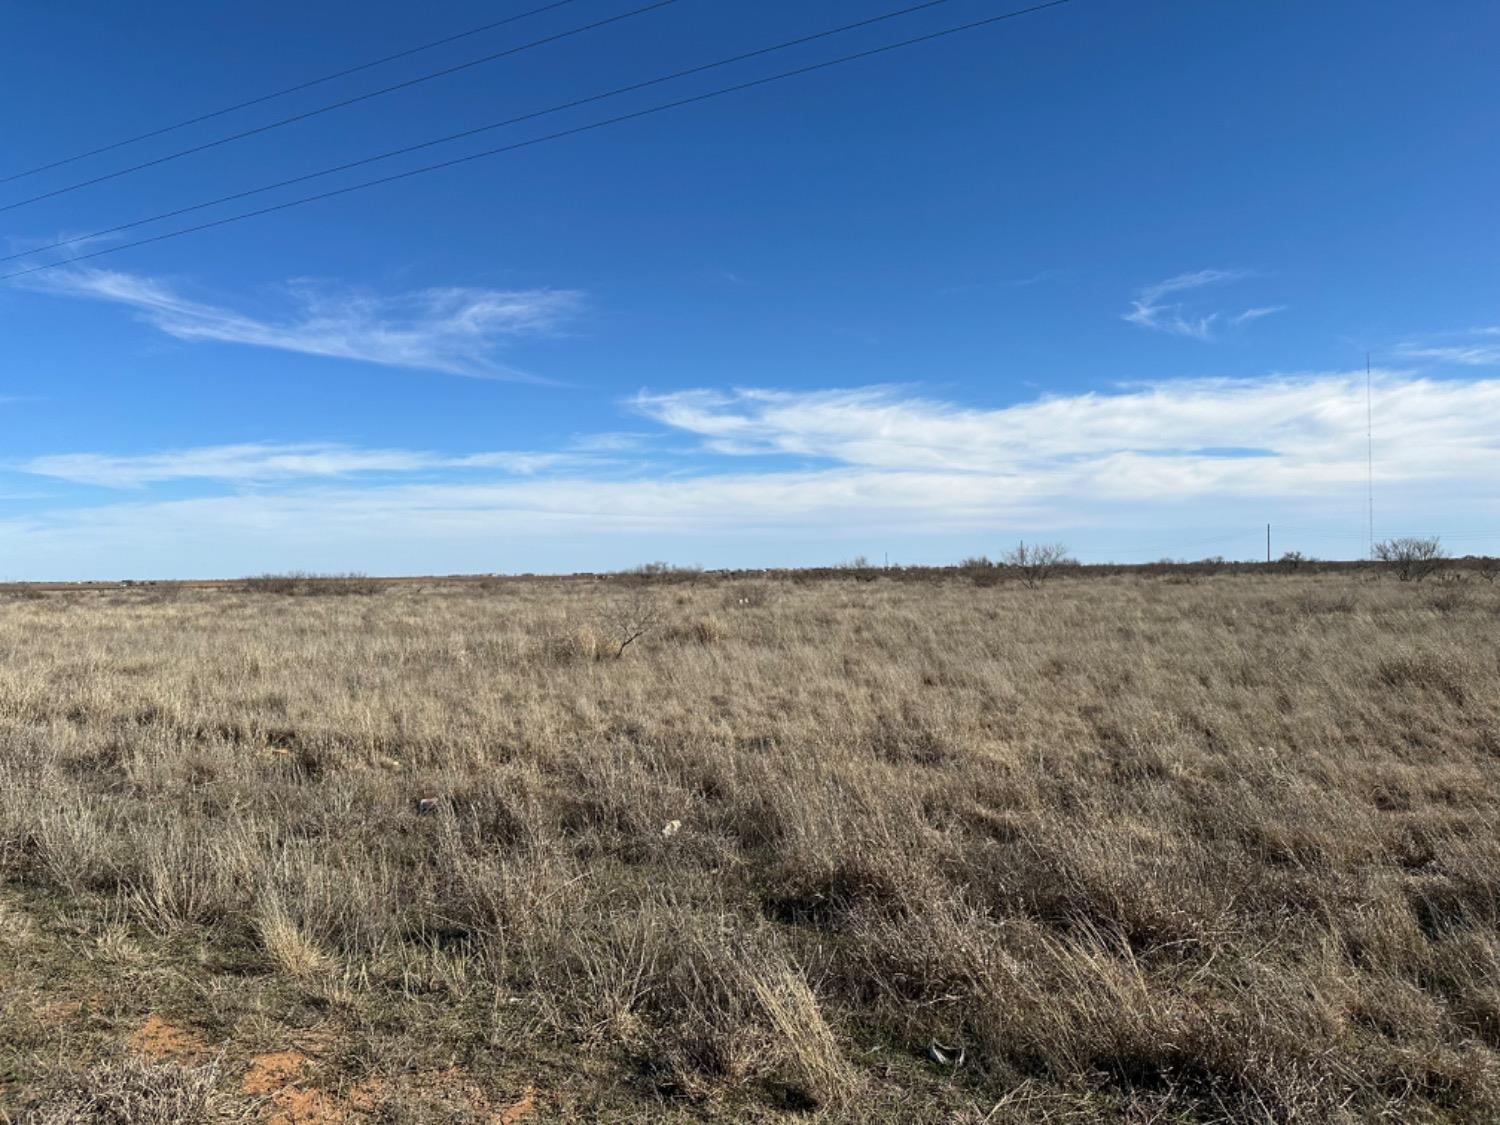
<point x="267" y="462"/>
<point x="63" y="243"/>
<point x="456" y="330"/>
<point x="823" y="467"/>
<point x="1167" y="441"/>
<point x="1255" y="314"/>
<point x="1151" y="309"/>
<point x="1159" y="441"/>
<point x="619" y="441"/>
<point x="1477" y="347"/>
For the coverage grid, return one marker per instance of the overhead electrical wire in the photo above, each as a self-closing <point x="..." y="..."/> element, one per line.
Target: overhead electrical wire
<point x="342" y="104"/>
<point x="489" y="127"/>
<point x="284" y="91"/>
<point x="532" y="141"/>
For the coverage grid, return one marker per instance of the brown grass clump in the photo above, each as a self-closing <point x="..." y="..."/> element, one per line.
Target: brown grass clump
<point x="288" y="945"/>
<point x="1134" y="847"/>
<point x="136" y="1090"/>
<point x="811" y="1048"/>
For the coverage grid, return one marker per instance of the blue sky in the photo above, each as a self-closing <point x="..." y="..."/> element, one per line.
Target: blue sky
<point x="1106" y="273"/>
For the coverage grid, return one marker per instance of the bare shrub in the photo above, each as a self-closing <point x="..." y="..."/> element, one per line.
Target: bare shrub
<point x="980" y="570"/>
<point x="1411" y="559"/>
<point x="301" y="583"/>
<point x="627" y="619"/>
<point x="1036" y="563"/>
<point x="859" y="568"/>
<point x="353" y="584"/>
<point x="286" y="584"/>
<point x="665" y="573"/>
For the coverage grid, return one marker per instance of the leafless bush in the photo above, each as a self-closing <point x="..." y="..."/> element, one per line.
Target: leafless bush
<point x="353" y="584"/>
<point x="860" y="568"/>
<point x="1488" y="568"/>
<point x="1410" y="558"/>
<point x="665" y="573"/>
<point x="286" y="584"/>
<point x="1036" y="563"/>
<point x="980" y="570"/>
<point x="627" y="619"/>
<point x="301" y="583"/>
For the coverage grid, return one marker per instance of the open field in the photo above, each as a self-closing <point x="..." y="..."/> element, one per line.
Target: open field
<point x="1144" y="847"/>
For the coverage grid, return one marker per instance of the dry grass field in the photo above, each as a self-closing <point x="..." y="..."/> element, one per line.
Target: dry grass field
<point x="1141" y="847"/>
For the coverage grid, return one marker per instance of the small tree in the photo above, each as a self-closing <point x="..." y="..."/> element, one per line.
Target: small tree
<point x="1410" y="558"/>
<point x="1036" y="563"/>
<point x="629" y="619"/>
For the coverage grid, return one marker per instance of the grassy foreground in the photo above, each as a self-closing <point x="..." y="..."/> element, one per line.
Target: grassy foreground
<point x="1143" y="847"/>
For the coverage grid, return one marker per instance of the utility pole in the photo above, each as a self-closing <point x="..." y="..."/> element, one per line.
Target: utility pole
<point x="1268" y="542"/>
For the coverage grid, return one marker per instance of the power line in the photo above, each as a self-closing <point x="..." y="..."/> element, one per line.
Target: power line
<point x="331" y="106"/>
<point x="558" y="135"/>
<point x="285" y="91"/>
<point x="491" y="126"/>
<point x="273" y="95"/>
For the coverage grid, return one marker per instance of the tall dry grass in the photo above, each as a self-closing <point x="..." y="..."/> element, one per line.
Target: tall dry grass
<point x="1222" y="849"/>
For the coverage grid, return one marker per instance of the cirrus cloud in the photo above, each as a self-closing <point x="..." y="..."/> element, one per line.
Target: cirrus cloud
<point x="456" y="330"/>
<point x="268" y="462"/>
<point x="1477" y="347"/>
<point x="1150" y="308"/>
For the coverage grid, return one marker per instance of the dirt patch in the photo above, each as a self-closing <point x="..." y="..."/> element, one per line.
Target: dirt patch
<point x="368" y="1096"/>
<point x="518" y="1110"/>
<point x="296" y="1106"/>
<point x="276" y="1076"/>
<point x="159" y="1040"/>
<point x="272" y="1072"/>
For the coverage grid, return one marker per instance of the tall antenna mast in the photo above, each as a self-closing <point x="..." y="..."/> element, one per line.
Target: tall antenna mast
<point x="1370" y="455"/>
